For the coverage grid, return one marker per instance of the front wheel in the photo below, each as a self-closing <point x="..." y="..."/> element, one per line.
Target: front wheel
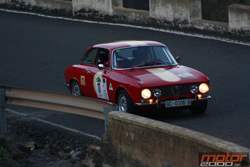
<point x="75" y="89"/>
<point x="200" y="108"/>
<point x="125" y="103"/>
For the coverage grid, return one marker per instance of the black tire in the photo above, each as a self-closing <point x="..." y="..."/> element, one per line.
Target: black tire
<point x="125" y="103"/>
<point x="200" y="108"/>
<point x="75" y="88"/>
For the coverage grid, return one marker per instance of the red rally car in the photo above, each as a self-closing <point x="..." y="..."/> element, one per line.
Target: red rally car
<point x="138" y="75"/>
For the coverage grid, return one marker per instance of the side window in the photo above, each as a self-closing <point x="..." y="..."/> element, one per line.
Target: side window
<point x="103" y="57"/>
<point x="90" y="57"/>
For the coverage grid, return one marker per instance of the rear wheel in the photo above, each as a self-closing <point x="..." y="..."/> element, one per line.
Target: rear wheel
<point x="200" y="108"/>
<point x="124" y="102"/>
<point x="75" y="88"/>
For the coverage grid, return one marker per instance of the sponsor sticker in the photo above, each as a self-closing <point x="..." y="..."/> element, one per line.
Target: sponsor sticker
<point x="110" y="86"/>
<point x="185" y="75"/>
<point x="224" y="159"/>
<point x="83" y="80"/>
<point x="100" y="85"/>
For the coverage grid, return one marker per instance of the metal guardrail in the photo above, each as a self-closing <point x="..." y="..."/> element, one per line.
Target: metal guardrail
<point x="50" y="100"/>
<point x="2" y="112"/>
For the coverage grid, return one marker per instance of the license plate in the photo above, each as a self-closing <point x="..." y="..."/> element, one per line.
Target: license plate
<point x="177" y="103"/>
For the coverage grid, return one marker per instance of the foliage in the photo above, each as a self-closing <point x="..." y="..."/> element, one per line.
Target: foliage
<point x="4" y="156"/>
<point x="217" y="10"/>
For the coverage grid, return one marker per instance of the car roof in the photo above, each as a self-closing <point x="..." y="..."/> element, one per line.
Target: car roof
<point x="125" y="44"/>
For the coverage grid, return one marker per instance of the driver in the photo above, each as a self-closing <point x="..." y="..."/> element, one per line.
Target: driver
<point x="140" y="56"/>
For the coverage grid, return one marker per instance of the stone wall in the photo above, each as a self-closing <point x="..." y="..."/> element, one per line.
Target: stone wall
<point x="137" y="141"/>
<point x="161" y="12"/>
<point x="170" y="10"/>
<point x="100" y="6"/>
<point x="50" y="4"/>
<point x="239" y="19"/>
<point x="195" y="9"/>
<point x="178" y="13"/>
<point x="44" y="6"/>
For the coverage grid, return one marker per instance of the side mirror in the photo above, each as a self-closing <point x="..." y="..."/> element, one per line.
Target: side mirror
<point x="178" y="59"/>
<point x="100" y="66"/>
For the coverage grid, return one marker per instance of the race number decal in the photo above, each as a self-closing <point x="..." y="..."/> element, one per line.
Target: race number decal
<point x="100" y="85"/>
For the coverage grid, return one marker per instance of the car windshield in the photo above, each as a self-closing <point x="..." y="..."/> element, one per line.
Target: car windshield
<point x="145" y="56"/>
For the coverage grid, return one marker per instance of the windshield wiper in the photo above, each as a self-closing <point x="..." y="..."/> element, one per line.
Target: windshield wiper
<point x="156" y="62"/>
<point x="151" y="63"/>
<point x="167" y="63"/>
<point x="138" y="65"/>
<point x="143" y="64"/>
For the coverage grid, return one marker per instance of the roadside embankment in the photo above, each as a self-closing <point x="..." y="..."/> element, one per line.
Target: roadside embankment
<point x="164" y="13"/>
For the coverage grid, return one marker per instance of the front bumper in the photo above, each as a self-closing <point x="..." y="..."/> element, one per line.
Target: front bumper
<point x="196" y="100"/>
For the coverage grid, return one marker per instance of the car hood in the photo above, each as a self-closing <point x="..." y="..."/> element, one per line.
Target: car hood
<point x="161" y="76"/>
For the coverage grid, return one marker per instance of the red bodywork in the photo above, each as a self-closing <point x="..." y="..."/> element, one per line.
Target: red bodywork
<point x="132" y="80"/>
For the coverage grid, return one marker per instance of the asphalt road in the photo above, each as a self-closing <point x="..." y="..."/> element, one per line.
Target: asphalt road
<point x="34" y="51"/>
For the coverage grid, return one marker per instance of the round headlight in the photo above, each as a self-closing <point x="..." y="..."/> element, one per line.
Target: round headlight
<point x="194" y="89"/>
<point x="203" y="88"/>
<point x="145" y="93"/>
<point x="157" y="92"/>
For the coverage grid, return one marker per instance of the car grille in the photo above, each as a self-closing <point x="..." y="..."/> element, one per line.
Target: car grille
<point x="172" y="91"/>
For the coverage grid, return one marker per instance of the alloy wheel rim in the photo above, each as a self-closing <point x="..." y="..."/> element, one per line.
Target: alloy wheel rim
<point x="76" y="90"/>
<point x="123" y="104"/>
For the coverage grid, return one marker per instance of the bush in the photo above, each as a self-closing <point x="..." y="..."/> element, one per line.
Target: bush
<point x="217" y="10"/>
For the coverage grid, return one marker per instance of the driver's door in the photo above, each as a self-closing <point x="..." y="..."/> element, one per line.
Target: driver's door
<point x="98" y="80"/>
<point x="86" y="80"/>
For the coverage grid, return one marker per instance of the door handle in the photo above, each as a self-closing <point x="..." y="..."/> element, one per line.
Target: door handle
<point x="88" y="72"/>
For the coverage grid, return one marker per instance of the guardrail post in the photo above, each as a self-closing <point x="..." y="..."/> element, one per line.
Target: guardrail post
<point x="2" y="111"/>
<point x="107" y="110"/>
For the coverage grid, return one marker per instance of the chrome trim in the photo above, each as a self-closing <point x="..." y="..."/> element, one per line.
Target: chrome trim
<point x="192" y="100"/>
<point x="66" y="85"/>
